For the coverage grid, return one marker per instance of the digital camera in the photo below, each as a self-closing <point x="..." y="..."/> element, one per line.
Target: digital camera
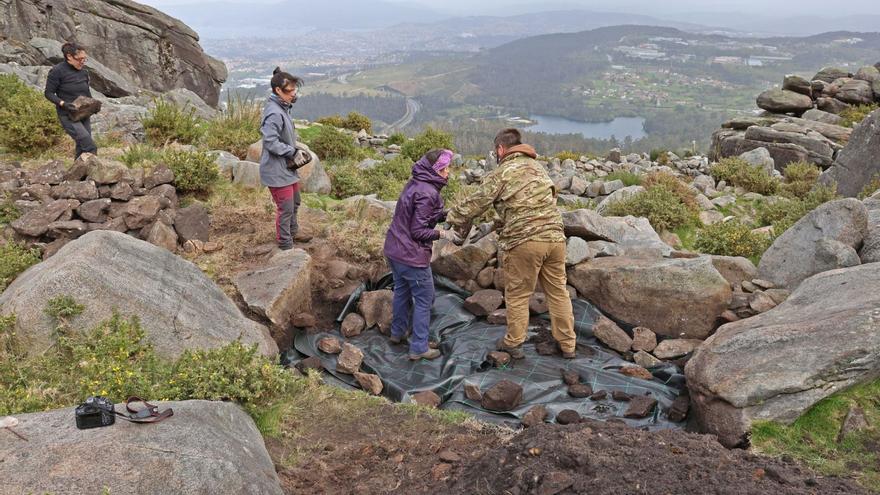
<point x="94" y="413"/>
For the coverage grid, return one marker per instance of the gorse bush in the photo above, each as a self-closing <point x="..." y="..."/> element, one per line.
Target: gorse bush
<point x="854" y="115"/>
<point x="869" y="189"/>
<point x="28" y="122"/>
<point x="194" y="171"/>
<point x="166" y="122"/>
<point x="354" y="121"/>
<point x="138" y="154"/>
<point x="741" y="173"/>
<point x="8" y="211"/>
<point x="731" y="238"/>
<point x="800" y="178"/>
<point x="429" y="139"/>
<point x="628" y="178"/>
<point x="685" y="194"/>
<point x="386" y="179"/>
<point x="113" y="359"/>
<point x="567" y="155"/>
<point x="333" y="121"/>
<point x="397" y="138"/>
<point x="14" y="259"/>
<point x="332" y="144"/>
<point x="782" y="214"/>
<point x="661" y="206"/>
<point x="236" y="128"/>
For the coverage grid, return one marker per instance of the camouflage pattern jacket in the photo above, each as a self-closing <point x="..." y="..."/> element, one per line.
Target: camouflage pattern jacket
<point x="523" y="196"/>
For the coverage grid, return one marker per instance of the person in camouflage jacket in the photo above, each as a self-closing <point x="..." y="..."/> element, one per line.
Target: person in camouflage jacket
<point x="531" y="240"/>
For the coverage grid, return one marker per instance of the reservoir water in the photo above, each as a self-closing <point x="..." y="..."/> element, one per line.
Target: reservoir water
<point x="620" y="127"/>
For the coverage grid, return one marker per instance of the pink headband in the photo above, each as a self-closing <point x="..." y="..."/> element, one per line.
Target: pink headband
<point x="443" y="161"/>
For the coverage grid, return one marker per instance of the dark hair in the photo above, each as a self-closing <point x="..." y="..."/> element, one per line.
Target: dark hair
<point x="281" y="79"/>
<point x="433" y="155"/>
<point x="70" y="48"/>
<point x="508" y="137"/>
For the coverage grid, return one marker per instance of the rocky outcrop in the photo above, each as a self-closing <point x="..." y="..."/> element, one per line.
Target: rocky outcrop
<point x="774" y="366"/>
<point x="673" y="297"/>
<point x="137" y="43"/>
<point x="859" y="161"/>
<point x="824" y="239"/>
<point x="634" y="236"/>
<point x="178" y="306"/>
<point x="206" y="447"/>
<point x="279" y="289"/>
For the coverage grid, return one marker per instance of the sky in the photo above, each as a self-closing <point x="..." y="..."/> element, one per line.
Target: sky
<point x="667" y="9"/>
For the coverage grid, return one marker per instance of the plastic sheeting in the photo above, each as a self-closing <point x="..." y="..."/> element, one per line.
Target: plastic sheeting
<point x="465" y="341"/>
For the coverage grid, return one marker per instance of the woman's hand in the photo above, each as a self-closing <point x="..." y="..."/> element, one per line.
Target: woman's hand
<point x="452" y="236"/>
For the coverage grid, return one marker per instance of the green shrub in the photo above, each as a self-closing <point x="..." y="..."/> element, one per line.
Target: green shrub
<point x="333" y="121"/>
<point x="194" y="171"/>
<point x="567" y="155"/>
<point x="8" y="211"/>
<point x="782" y="214"/>
<point x="397" y="138"/>
<point x="429" y="139"/>
<point x="628" y="178"/>
<point x="28" y="122"/>
<point x="355" y="121"/>
<point x="731" y="238"/>
<point x="684" y="193"/>
<point x="10" y="85"/>
<point x="14" y="259"/>
<point x="658" y="154"/>
<point x="307" y="134"/>
<point x="800" y="178"/>
<point x="236" y="128"/>
<point x="661" y="206"/>
<point x="332" y="144"/>
<point x="167" y="122"/>
<point x="856" y="114"/>
<point x="115" y="360"/>
<point x="138" y="154"/>
<point x="869" y="189"/>
<point x="386" y="179"/>
<point x="741" y="173"/>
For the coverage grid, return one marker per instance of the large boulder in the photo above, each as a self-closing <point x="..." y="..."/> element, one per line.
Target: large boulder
<point x="205" y="448"/>
<point x="870" y="252"/>
<point x="634" y="235"/>
<point x="673" y="297"/>
<point x="101" y="77"/>
<point x="178" y="306"/>
<point x="774" y="366"/>
<point x="141" y="44"/>
<point x="784" y="101"/>
<point x="831" y="74"/>
<point x="859" y="161"/>
<point x="801" y="251"/>
<point x="463" y="262"/>
<point x="621" y="194"/>
<point x="313" y="177"/>
<point x="797" y="84"/>
<point x="279" y="289"/>
<point x="855" y="92"/>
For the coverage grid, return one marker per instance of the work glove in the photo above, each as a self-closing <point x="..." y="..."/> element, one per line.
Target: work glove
<point x="299" y="159"/>
<point x="481" y="231"/>
<point x="452" y="236"/>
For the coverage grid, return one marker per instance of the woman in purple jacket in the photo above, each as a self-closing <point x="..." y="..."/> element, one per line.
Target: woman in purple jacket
<point x="408" y="250"/>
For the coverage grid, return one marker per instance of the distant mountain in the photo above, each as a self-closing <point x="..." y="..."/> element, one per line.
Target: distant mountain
<point x="800" y="25"/>
<point x="229" y="20"/>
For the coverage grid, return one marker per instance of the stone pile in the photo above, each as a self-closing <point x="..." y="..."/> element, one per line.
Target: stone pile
<point x="59" y="204"/>
<point x="800" y="121"/>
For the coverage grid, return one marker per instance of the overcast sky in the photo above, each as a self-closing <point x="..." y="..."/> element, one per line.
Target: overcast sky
<point x="665" y="9"/>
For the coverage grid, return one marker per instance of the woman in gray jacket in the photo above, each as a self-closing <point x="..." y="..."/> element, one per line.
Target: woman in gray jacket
<point x="281" y="158"/>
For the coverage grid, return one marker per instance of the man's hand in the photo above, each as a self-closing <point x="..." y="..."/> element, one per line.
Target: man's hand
<point x="481" y="231"/>
<point x="452" y="236"/>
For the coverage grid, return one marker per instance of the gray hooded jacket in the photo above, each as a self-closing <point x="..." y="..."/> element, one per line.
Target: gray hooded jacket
<point x="279" y="143"/>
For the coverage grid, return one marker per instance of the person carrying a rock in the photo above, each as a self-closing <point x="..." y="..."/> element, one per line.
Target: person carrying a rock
<point x="531" y="241"/>
<point x="67" y="81"/>
<point x="408" y="246"/>
<point x="281" y="158"/>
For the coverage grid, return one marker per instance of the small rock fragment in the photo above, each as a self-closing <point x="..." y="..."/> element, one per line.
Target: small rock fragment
<point x="640" y="407"/>
<point x="600" y="395"/>
<point x="352" y="325"/>
<point x="350" y="359"/>
<point x="535" y="416"/>
<point x="472" y="392"/>
<point x="304" y="320"/>
<point x="678" y="411"/>
<point x="570" y="377"/>
<point x="330" y="345"/>
<point x="449" y="456"/>
<point x="568" y="417"/>
<point x="646" y="360"/>
<point x="644" y="339"/>
<point x="620" y="395"/>
<point x="426" y="398"/>
<point x="498" y="358"/>
<point x="636" y="372"/>
<point x="369" y="382"/>
<point x="503" y="396"/>
<point x="554" y="482"/>
<point x="580" y="391"/>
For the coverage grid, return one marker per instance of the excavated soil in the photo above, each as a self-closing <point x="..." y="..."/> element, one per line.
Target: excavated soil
<point x="607" y="458"/>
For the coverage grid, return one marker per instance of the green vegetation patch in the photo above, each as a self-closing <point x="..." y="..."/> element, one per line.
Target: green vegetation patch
<point x="194" y="171"/>
<point x="236" y="128"/>
<point x="782" y="213"/>
<point x="333" y="144"/>
<point x="731" y="238"/>
<point x="14" y="259"/>
<point x="800" y="179"/>
<point x="854" y="115"/>
<point x="628" y="178"/>
<point x="28" y="122"/>
<point x="660" y="205"/>
<point x="167" y="122"/>
<point x="741" y="173"/>
<point x="813" y="438"/>
<point x="428" y="140"/>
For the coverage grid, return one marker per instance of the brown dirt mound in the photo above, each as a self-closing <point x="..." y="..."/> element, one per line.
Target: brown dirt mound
<point x="605" y="458"/>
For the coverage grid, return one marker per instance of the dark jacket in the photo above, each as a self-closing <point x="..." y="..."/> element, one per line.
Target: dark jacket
<point x="279" y="141"/>
<point x="65" y="83"/>
<point x="418" y="211"/>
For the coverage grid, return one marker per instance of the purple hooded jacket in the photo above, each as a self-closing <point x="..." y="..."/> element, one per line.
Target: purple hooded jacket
<point x="418" y="211"/>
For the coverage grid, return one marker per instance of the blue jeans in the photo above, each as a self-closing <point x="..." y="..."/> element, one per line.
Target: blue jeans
<point x="413" y="299"/>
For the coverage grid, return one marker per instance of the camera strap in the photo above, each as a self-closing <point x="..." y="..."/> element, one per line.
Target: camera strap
<point x="149" y="414"/>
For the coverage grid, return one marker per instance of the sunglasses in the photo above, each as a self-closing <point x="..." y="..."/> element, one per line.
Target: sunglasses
<point x="80" y="59"/>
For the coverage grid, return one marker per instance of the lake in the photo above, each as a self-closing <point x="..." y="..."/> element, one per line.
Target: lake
<point x="620" y="127"/>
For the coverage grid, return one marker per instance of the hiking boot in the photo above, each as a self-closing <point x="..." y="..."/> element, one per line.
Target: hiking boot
<point x="515" y="352"/>
<point x="569" y="355"/>
<point x="398" y="340"/>
<point x="429" y="354"/>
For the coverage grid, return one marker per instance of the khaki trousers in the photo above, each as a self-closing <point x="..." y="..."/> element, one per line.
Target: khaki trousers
<point x="523" y="266"/>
